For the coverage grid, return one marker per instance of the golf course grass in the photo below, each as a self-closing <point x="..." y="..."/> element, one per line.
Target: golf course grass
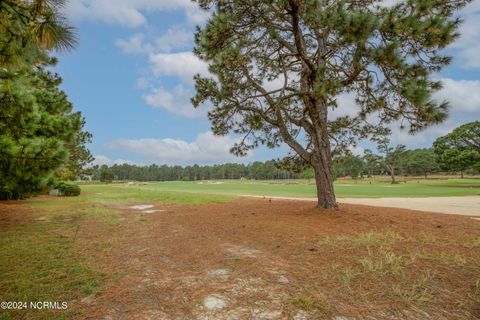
<point x="212" y="190"/>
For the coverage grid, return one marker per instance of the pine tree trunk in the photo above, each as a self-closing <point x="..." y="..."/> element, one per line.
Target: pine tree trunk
<point x="322" y="166"/>
<point x="321" y="158"/>
<point x="392" y="175"/>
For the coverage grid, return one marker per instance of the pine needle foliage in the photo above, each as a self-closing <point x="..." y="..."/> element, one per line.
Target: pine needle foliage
<point x="279" y="67"/>
<point x="40" y="134"/>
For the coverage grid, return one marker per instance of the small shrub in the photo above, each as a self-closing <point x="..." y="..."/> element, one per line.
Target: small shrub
<point x="68" y="189"/>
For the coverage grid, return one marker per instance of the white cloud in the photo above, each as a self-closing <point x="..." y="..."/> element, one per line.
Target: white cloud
<point x="468" y="45"/>
<point x="357" y="150"/>
<point x="196" y="16"/>
<point x="402" y="136"/>
<point x="101" y="160"/>
<point x="129" y="13"/>
<point x="143" y="83"/>
<point x="181" y="64"/>
<point x="275" y="84"/>
<point x="176" y="102"/>
<point x="160" y="98"/>
<point x="134" y="45"/>
<point x="174" y="38"/>
<point x="109" y="11"/>
<point x="464" y="98"/>
<point x="423" y="138"/>
<point x="346" y="106"/>
<point x="206" y="148"/>
<point x="463" y="95"/>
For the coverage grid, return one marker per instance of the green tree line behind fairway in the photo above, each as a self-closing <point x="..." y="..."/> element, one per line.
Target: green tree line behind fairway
<point x="418" y="162"/>
<point x="456" y="152"/>
<point x="256" y="170"/>
<point x="346" y="166"/>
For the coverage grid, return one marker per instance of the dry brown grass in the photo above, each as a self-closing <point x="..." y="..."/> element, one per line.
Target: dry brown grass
<point x="280" y="260"/>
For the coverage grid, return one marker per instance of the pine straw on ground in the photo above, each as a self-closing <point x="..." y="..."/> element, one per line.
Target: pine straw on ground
<point x="261" y="259"/>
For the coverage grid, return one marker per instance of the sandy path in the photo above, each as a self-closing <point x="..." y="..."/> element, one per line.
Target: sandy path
<point x="468" y="205"/>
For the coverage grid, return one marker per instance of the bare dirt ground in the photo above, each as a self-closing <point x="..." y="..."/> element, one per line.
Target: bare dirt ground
<point x="271" y="259"/>
<point x="14" y="212"/>
<point x="261" y="259"/>
<point x="467" y="205"/>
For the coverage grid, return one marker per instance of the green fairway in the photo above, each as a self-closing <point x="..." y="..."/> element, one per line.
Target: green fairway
<point x="204" y="190"/>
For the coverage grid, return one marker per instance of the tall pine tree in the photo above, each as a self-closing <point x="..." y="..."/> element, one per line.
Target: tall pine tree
<point x="279" y="67"/>
<point x="39" y="132"/>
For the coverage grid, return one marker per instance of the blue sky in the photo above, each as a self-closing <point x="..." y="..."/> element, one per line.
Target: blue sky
<point x="131" y="77"/>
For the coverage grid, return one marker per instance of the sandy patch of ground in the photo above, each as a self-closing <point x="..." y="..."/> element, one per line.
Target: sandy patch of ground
<point x="467" y="205"/>
<point x="210" y="182"/>
<point x="141" y="206"/>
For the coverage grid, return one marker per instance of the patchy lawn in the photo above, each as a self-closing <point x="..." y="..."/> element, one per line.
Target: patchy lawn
<point x="40" y="261"/>
<point x="241" y="259"/>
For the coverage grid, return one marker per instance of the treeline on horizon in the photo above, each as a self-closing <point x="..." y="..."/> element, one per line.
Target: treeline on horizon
<point x="267" y="170"/>
<point x="456" y="152"/>
<point x="417" y="162"/>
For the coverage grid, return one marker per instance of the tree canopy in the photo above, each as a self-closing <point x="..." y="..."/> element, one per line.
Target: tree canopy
<point x="39" y="132"/>
<point x="392" y="156"/>
<point x="421" y="160"/>
<point x="460" y="149"/>
<point x="279" y="66"/>
<point x="29" y="28"/>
